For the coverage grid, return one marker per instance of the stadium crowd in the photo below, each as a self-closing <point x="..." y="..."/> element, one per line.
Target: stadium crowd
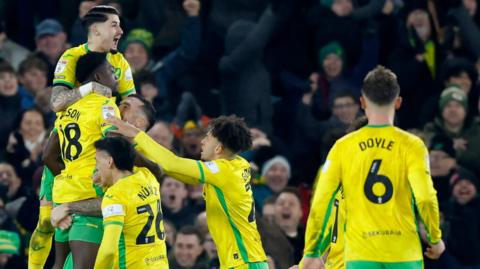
<point x="292" y="69"/>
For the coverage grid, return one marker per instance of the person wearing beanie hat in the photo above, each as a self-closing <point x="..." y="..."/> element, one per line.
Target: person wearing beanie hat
<point x="340" y="7"/>
<point x="331" y="58"/>
<point x="453" y="93"/>
<point x="275" y="174"/>
<point x="137" y="49"/>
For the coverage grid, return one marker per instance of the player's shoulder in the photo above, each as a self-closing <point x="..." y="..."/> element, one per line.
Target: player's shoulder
<point x="114" y="193"/>
<point x="408" y="138"/>
<point x="75" y="52"/>
<point x="116" y="58"/>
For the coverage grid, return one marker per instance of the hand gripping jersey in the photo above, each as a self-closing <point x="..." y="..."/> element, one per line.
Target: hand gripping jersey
<point x="385" y="175"/>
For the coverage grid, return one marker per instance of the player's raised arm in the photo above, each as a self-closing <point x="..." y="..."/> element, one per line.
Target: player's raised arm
<point x="423" y="191"/>
<point x="327" y="187"/>
<point x="63" y="96"/>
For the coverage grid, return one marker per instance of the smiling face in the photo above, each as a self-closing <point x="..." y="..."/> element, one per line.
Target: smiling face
<point x="277" y="177"/>
<point x="32" y="125"/>
<point x="8" y="84"/>
<point x="136" y="55"/>
<point x="464" y="191"/>
<point x="187" y="249"/>
<point x="454" y="113"/>
<point x="108" y="32"/>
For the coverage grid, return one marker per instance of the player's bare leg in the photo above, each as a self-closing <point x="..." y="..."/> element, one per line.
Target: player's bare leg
<point x="84" y="254"/>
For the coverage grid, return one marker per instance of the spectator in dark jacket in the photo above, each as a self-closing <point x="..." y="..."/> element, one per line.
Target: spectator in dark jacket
<point x="10" y="101"/>
<point x="245" y="81"/>
<point x="464" y="221"/>
<point x="454" y="123"/>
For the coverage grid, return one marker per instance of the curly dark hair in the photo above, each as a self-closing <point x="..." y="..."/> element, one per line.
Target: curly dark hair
<point x="232" y="132"/>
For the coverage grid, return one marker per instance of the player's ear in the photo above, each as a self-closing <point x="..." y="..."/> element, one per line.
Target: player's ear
<point x="398" y="102"/>
<point x="110" y="162"/>
<point x="363" y="104"/>
<point x="97" y="77"/>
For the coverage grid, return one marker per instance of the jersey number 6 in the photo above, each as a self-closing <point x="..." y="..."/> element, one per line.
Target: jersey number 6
<point x="372" y="178"/>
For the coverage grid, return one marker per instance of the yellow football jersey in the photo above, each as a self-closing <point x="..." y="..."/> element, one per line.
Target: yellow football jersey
<point x="384" y="172"/>
<point x="228" y="196"/>
<point x="133" y="202"/>
<point x="66" y="65"/>
<point x="79" y="126"/>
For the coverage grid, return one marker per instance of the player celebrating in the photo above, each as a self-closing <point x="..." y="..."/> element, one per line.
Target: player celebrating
<point x="228" y="195"/>
<point x="79" y="126"/>
<point x="103" y="27"/>
<point x="131" y="206"/>
<point x="390" y="171"/>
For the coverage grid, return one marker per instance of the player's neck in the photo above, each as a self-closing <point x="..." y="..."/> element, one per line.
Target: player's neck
<point x="380" y="117"/>
<point x="119" y="174"/>
<point x="95" y="46"/>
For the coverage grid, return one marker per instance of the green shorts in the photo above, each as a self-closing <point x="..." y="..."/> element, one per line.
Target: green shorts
<point x="46" y="184"/>
<point x="84" y="228"/>
<point x="384" y="265"/>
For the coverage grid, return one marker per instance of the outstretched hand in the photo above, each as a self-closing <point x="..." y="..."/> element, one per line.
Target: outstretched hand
<point x="123" y="128"/>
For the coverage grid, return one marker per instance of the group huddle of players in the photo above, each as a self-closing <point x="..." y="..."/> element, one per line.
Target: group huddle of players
<point x="100" y="193"/>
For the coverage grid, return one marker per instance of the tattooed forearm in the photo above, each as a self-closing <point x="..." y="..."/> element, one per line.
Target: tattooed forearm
<point x="90" y="207"/>
<point x="62" y="97"/>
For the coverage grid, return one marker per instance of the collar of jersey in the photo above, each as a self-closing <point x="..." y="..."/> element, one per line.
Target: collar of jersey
<point x="378" y="126"/>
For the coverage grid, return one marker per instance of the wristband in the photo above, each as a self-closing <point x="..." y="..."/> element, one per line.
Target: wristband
<point x="86" y="89"/>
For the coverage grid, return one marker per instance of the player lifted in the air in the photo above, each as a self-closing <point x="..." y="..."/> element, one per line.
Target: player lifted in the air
<point x="228" y="195"/>
<point x="385" y="176"/>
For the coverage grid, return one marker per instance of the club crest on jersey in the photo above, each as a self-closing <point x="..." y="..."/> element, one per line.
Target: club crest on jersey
<point x="108" y="111"/>
<point x="213" y="167"/>
<point x="61" y="65"/>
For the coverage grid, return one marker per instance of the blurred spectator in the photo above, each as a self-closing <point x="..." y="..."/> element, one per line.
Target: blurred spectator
<point x="211" y="251"/>
<point x="11" y="51"/>
<point x="464" y="220"/>
<point x="454" y="123"/>
<point x="25" y="144"/>
<point x="345" y="109"/>
<point x="188" y="250"/>
<point x="170" y="233"/>
<point x="456" y="71"/>
<point x="288" y="213"/>
<point x="174" y="203"/>
<point x="275" y="177"/>
<point x="10" y="103"/>
<point x="268" y="210"/>
<point x="276" y="245"/>
<point x="42" y="102"/>
<point x="442" y="166"/>
<point x="161" y="133"/>
<point x="32" y="74"/>
<point x="10" y="249"/>
<point x="51" y="41"/>
<point x="201" y="222"/>
<point x="416" y="62"/>
<point x="196" y="199"/>
<point x="137" y="49"/>
<point x="11" y="187"/>
<point x="245" y="82"/>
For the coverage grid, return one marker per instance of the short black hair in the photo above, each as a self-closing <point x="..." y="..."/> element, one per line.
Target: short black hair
<point x="189" y="230"/>
<point x="121" y="151"/>
<point x="98" y="14"/>
<point x="292" y="190"/>
<point x="454" y="68"/>
<point x="6" y="67"/>
<point x="346" y="93"/>
<point x="147" y="109"/>
<point x="232" y="132"/>
<point x="381" y="86"/>
<point x="88" y="64"/>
